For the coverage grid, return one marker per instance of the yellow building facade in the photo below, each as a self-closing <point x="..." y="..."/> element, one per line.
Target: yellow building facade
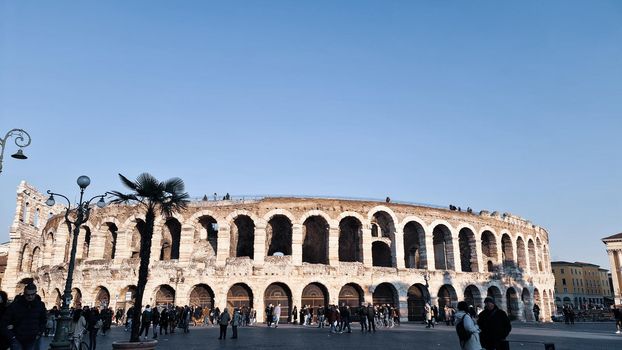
<point x="580" y="285"/>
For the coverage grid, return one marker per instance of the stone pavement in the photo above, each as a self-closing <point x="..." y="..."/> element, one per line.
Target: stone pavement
<point x="592" y="336"/>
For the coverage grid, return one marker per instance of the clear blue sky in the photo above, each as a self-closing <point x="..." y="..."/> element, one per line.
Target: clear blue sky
<point x="508" y="106"/>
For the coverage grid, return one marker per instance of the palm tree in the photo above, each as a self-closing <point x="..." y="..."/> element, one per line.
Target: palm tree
<point x="167" y="197"/>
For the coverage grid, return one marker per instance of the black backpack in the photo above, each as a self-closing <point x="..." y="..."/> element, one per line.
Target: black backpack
<point x="463" y="335"/>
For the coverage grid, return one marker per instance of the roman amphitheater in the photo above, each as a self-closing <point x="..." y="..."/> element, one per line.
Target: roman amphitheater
<point x="293" y="251"/>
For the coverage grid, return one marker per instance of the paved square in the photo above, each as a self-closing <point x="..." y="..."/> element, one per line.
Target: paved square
<point x="593" y="336"/>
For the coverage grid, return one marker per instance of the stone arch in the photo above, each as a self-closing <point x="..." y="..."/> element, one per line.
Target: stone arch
<point x="447" y="296"/>
<point x="35" y="262"/>
<point x="315" y="294"/>
<point x="86" y="242"/>
<point x="468" y="250"/>
<point x="136" y="238"/>
<point x="443" y="248"/>
<point x="385" y="221"/>
<point x="489" y="250"/>
<point x="527" y="304"/>
<point x="521" y="259"/>
<point x="352" y="295"/>
<point x="242" y="236"/>
<point x="102" y="297"/>
<point x="25" y="258"/>
<point x="164" y="294"/>
<point x="418" y="295"/>
<point x="171" y="239"/>
<point x="385" y="293"/>
<point x="539" y="254"/>
<point x="206" y="235"/>
<point x="239" y="295"/>
<point x="279" y="235"/>
<point x="508" y="251"/>
<point x="512" y="303"/>
<point x="531" y="248"/>
<point x="315" y="231"/>
<point x="48" y="248"/>
<point x="127" y="297"/>
<point x="279" y="293"/>
<point x="381" y="254"/>
<point x="473" y="296"/>
<point x="76" y="298"/>
<point x="414" y="245"/>
<point x="350" y="239"/>
<point x="202" y="295"/>
<point x="110" y="240"/>
<point x="495" y="293"/>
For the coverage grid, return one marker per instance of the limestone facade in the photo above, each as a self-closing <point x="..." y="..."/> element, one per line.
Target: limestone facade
<point x="293" y="251"/>
<point x="614" y="250"/>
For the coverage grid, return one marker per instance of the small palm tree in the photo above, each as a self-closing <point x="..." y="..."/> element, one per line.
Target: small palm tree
<point x="167" y="197"/>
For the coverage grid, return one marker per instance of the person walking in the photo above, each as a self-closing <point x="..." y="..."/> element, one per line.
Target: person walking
<point x="295" y="315"/>
<point x="269" y="311"/>
<point x="428" y="316"/>
<point x="362" y="313"/>
<point x="78" y="327"/>
<point x="277" y="315"/>
<point x="164" y="321"/>
<point x="495" y="326"/>
<point x="371" y="318"/>
<point x="223" y="321"/>
<point x="536" y="312"/>
<point x="24" y="320"/>
<point x="344" y="312"/>
<point x="145" y="322"/>
<point x="155" y="321"/>
<point x="94" y="323"/>
<point x="468" y="332"/>
<point x="236" y="322"/>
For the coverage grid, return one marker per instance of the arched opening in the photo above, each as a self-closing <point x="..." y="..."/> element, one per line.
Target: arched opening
<point x="48" y="247"/>
<point x="385" y="293"/>
<point x="533" y="265"/>
<point x="24" y="258"/>
<point x="136" y="238"/>
<point x="511" y="297"/>
<point x="350" y="239"/>
<point x="279" y="293"/>
<point x="508" y="252"/>
<point x="171" y="238"/>
<point x="527" y="305"/>
<point x="58" y="301"/>
<point x="87" y="242"/>
<point x="164" y="295"/>
<point x="243" y="237"/>
<point x="110" y="243"/>
<point x="352" y="295"/>
<point x="489" y="250"/>
<point x="35" y="221"/>
<point x="468" y="254"/>
<point x="472" y="296"/>
<point x="447" y="296"/>
<point x="315" y="240"/>
<point x="443" y="248"/>
<point x="35" y="262"/>
<point x="521" y="259"/>
<point x="76" y="298"/>
<point x="386" y="229"/>
<point x="279" y="236"/>
<point x="539" y="253"/>
<point x="381" y="254"/>
<point x="315" y="295"/>
<point x="102" y="297"/>
<point x="203" y="296"/>
<point x="374" y="229"/>
<point x="127" y="296"/>
<point x="240" y="295"/>
<point x="414" y="246"/>
<point x="207" y="235"/>
<point x="495" y="294"/>
<point x="418" y="295"/>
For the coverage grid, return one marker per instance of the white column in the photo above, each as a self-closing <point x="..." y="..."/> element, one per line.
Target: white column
<point x="297" y="244"/>
<point x="259" y="245"/>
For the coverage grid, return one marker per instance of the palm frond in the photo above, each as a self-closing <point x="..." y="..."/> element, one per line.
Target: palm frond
<point x="174" y="185"/>
<point x="119" y="197"/>
<point x="128" y="183"/>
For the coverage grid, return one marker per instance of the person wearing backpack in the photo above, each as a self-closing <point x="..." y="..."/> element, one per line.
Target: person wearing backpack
<point x="468" y="332"/>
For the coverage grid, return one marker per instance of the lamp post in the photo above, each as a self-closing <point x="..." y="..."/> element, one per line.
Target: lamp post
<point x="22" y="139"/>
<point x="81" y="215"/>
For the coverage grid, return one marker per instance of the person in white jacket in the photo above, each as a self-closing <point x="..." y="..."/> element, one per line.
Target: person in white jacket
<point x="78" y="327"/>
<point x="470" y="326"/>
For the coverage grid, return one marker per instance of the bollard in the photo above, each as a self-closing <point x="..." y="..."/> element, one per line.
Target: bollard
<point x="549" y="346"/>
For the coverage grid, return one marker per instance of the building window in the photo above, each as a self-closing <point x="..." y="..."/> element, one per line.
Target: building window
<point x="562" y="270"/>
<point x="564" y="282"/>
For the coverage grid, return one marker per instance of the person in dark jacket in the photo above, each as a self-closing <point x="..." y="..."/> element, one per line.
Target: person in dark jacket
<point x="4" y="299"/>
<point x="371" y="315"/>
<point x="363" y="317"/>
<point x="145" y="322"/>
<point x="24" y="320"/>
<point x="494" y="324"/>
<point x="155" y="320"/>
<point x="164" y="321"/>
<point x="223" y="321"/>
<point x="92" y="325"/>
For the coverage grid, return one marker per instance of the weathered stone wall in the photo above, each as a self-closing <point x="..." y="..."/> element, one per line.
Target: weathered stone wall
<point x="516" y="267"/>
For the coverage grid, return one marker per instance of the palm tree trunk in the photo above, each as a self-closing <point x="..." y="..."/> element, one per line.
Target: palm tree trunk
<point x="143" y="272"/>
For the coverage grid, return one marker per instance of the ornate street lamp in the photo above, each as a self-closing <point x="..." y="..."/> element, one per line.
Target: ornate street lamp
<point x="22" y="139"/>
<point x="80" y="214"/>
